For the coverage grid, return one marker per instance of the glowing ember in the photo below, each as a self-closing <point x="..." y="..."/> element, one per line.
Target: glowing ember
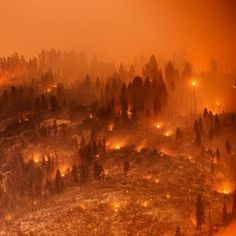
<point x="167" y="195"/>
<point x="116" y="207"/>
<point x="90" y="116"/>
<point x="145" y="203"/>
<point x="224" y="189"/>
<point x="147" y="177"/>
<point x="156" y="181"/>
<point x="129" y="114"/>
<point x="110" y="127"/>
<point x="167" y="134"/>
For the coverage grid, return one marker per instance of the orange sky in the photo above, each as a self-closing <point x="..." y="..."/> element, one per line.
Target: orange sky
<point x="122" y="29"/>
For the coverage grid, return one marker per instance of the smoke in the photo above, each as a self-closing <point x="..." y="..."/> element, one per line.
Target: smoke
<point x="120" y="30"/>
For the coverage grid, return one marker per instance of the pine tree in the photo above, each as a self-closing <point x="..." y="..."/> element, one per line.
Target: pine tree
<point x="198" y="140"/>
<point x="228" y="146"/>
<point x="234" y="204"/>
<point x="75" y="173"/>
<point x="224" y="213"/>
<point x="200" y="214"/>
<point x="177" y="232"/>
<point x="195" y="127"/>
<point x="58" y="182"/>
<point x="126" y="167"/>
<point x="96" y="171"/>
<point x="205" y="113"/>
<point x="217" y="124"/>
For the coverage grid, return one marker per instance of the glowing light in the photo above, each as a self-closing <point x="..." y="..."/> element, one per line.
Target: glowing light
<point x="49" y="90"/>
<point x="129" y="114"/>
<point x="167" y="133"/>
<point x="90" y="116"/>
<point x="225" y="189"/>
<point x="140" y="146"/>
<point x="110" y="127"/>
<point x="194" y="83"/>
<point x="145" y="203"/>
<point x="147" y="177"/>
<point x="156" y="181"/>
<point x="116" y="207"/>
<point x="168" y="196"/>
<point x="117" y="147"/>
<point x="217" y="104"/>
<point x="62" y="174"/>
<point x="158" y="125"/>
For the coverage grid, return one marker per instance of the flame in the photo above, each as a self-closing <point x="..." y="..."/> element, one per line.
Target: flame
<point x="117" y="147"/>
<point x="110" y="127"/>
<point x="167" y="133"/>
<point x="225" y="188"/>
<point x="140" y="146"/>
<point x="194" y="83"/>
<point x="145" y="203"/>
<point x="116" y="207"/>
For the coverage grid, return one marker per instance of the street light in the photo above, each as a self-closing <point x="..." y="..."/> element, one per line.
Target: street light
<point x="194" y="96"/>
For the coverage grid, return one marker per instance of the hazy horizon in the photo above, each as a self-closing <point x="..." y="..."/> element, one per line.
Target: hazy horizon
<point x="120" y="30"/>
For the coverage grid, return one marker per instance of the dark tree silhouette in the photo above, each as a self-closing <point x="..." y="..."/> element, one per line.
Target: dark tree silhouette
<point x="59" y="182"/>
<point x="200" y="213"/>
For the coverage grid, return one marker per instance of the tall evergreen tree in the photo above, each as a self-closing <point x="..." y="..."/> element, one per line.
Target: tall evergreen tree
<point x="58" y="182"/>
<point x="200" y="213"/>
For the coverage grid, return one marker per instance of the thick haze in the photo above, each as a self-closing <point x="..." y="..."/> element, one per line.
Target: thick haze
<point x="119" y="30"/>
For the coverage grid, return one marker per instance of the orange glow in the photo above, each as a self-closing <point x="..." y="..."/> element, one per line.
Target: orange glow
<point x="140" y="146"/>
<point x="167" y="133"/>
<point x="110" y="127"/>
<point x="116" y="207"/>
<point x="193" y="83"/>
<point x="225" y="188"/>
<point x="145" y="203"/>
<point x="158" y="125"/>
<point x="117" y="147"/>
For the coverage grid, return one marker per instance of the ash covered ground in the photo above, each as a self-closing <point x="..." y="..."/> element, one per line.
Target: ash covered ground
<point x="156" y="194"/>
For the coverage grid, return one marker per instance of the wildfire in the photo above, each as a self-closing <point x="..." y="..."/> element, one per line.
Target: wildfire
<point x="116" y="207"/>
<point x="167" y="133"/>
<point x="168" y="196"/>
<point x="140" y="146"/>
<point x="145" y="203"/>
<point x="129" y="114"/>
<point x="110" y="127"/>
<point x="117" y="147"/>
<point x="224" y="189"/>
<point x="147" y="177"/>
